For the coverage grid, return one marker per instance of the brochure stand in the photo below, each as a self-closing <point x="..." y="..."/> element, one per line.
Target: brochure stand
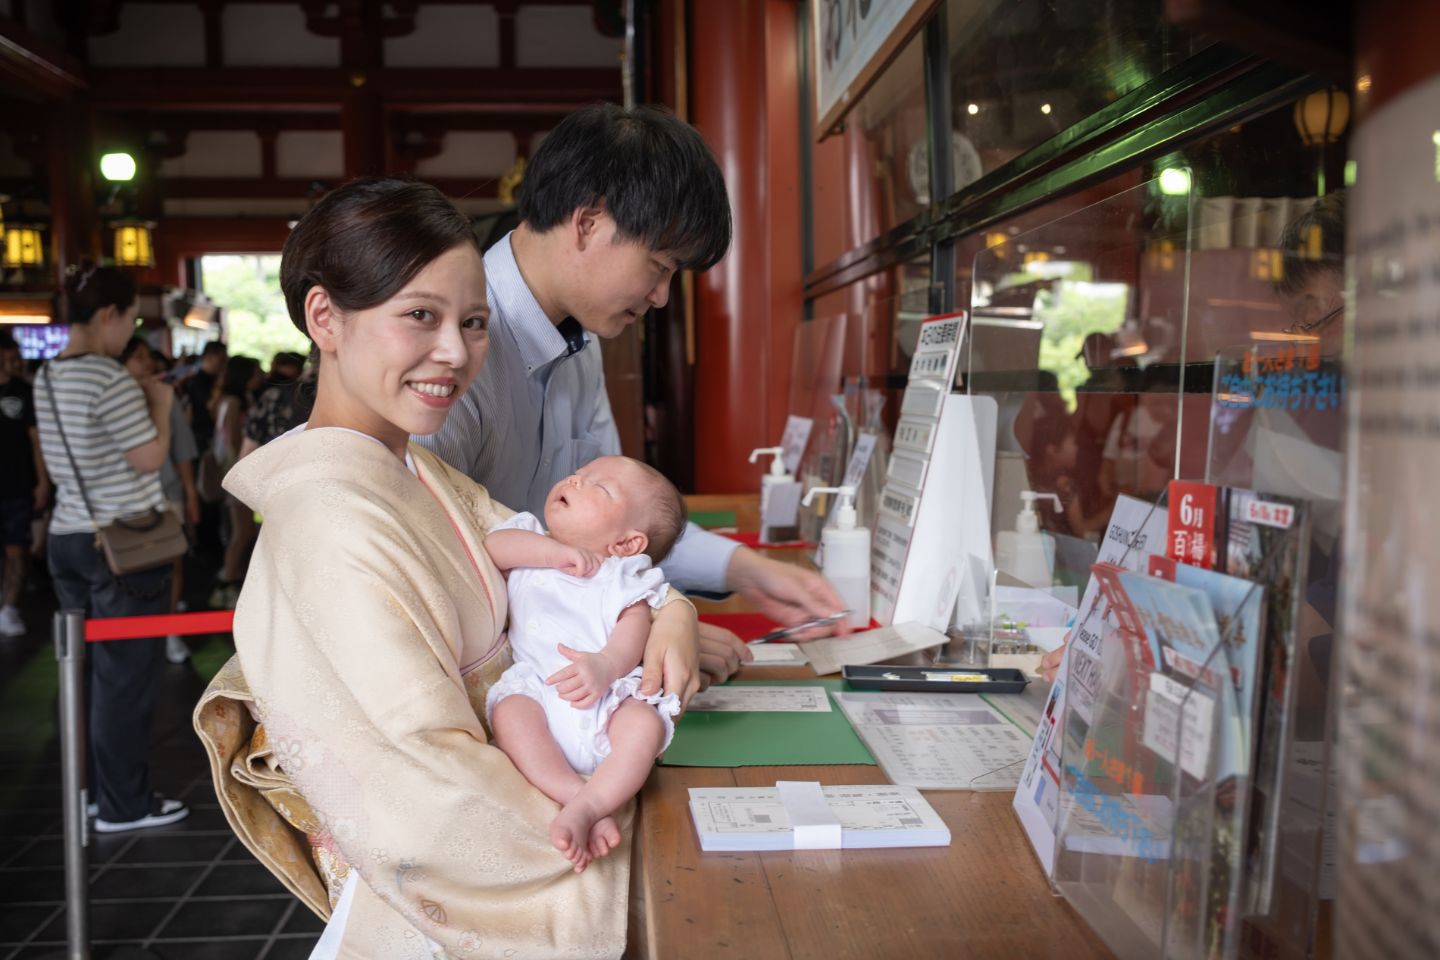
<point x="1150" y="840"/>
<point x="1170" y="787"/>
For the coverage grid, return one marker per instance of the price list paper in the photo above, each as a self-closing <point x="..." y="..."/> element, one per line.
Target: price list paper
<point x="938" y="741"/>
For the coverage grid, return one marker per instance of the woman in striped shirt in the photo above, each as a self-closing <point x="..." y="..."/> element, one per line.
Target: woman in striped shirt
<point x="118" y="432"/>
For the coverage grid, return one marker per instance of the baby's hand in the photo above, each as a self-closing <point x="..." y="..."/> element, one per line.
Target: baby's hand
<point x="585" y="681"/>
<point x="575" y="561"/>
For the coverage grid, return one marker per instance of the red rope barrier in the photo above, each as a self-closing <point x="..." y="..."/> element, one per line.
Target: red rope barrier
<point x="180" y="624"/>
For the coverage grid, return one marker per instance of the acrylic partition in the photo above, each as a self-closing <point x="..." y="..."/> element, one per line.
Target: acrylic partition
<point x="1078" y="330"/>
<point x="1157" y="336"/>
<point x="839" y="381"/>
<point x="1269" y="277"/>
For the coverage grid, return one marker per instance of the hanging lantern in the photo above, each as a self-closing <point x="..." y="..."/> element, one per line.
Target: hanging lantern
<point x="1322" y="116"/>
<point x="132" y="244"/>
<point x="23" y="246"/>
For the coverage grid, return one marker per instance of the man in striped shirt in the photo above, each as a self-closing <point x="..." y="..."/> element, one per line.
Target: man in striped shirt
<point x="613" y="204"/>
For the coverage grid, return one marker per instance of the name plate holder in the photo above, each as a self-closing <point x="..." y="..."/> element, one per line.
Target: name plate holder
<point x="931" y="545"/>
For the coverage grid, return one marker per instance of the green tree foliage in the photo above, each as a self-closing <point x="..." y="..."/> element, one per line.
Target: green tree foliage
<point x="248" y="287"/>
<point x="1071" y="311"/>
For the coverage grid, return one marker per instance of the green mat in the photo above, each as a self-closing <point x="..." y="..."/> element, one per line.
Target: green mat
<point x="725" y="739"/>
<point x="713" y="518"/>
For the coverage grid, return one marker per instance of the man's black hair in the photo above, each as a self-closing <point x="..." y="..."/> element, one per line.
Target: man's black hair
<point x="1313" y="243"/>
<point x="652" y="171"/>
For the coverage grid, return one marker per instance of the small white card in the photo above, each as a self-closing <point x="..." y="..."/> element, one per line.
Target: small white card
<point x="859" y="461"/>
<point x="797" y="435"/>
<point x="795" y="815"/>
<point x="870" y="646"/>
<point x="777" y="655"/>
<point x="1190" y="745"/>
<point x="761" y="699"/>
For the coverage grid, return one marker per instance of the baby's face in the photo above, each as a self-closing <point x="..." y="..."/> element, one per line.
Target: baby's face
<point x="598" y="507"/>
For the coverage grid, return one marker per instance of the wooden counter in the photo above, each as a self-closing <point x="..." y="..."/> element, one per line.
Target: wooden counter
<point x="982" y="897"/>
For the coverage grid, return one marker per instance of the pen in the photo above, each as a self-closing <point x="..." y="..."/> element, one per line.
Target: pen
<point x="807" y="625"/>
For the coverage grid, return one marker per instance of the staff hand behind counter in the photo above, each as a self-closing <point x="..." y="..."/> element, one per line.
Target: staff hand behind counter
<point x="783" y="592"/>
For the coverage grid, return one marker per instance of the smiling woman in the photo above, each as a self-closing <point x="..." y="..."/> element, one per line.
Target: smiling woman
<point x="346" y="736"/>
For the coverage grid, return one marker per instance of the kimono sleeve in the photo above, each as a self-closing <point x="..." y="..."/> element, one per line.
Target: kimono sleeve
<point x="349" y="654"/>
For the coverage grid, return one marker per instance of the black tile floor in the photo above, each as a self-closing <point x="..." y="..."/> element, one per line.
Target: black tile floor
<point x="189" y="891"/>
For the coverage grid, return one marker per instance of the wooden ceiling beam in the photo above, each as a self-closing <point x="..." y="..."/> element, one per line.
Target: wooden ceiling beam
<point x="297" y="188"/>
<point x="38" y="66"/>
<point x="267" y="88"/>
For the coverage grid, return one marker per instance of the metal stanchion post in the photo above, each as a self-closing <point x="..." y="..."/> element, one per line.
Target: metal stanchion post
<point x="70" y="651"/>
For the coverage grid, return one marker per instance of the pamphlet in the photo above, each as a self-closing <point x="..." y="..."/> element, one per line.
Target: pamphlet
<point x="1136" y="531"/>
<point x="775" y="818"/>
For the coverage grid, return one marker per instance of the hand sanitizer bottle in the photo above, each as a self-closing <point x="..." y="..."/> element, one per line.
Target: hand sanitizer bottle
<point x="779" y="499"/>
<point x="845" y="555"/>
<point x="1025" y="553"/>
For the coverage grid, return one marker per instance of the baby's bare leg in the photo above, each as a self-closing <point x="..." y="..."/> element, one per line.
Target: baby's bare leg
<point x="636" y="734"/>
<point x="522" y="731"/>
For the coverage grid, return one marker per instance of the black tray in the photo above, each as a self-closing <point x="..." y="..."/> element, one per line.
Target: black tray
<point x="936" y="679"/>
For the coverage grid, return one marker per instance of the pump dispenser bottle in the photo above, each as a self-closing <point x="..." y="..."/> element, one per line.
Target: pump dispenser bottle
<point x="1025" y="553"/>
<point x="845" y="555"/>
<point x="779" y="499"/>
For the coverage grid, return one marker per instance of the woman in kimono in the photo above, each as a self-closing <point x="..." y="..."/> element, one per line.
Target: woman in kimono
<point x="345" y="736"/>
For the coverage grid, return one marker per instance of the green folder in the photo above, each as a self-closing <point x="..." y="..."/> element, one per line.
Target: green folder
<point x="713" y="518"/>
<point x="732" y="739"/>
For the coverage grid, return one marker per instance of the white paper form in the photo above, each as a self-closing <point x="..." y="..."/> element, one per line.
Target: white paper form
<point x="870" y="646"/>
<point x="762" y="699"/>
<point x="777" y="655"/>
<point x="938" y="741"/>
<point x="870" y="815"/>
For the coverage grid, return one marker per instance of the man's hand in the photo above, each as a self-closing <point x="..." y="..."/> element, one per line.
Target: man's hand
<point x="721" y="653"/>
<point x="586" y="679"/>
<point x="784" y="592"/>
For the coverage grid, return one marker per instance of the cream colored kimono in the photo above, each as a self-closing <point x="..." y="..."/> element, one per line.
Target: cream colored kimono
<point x="369" y="630"/>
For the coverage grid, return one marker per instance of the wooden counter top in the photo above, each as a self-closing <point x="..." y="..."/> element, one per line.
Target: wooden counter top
<point x="982" y="897"/>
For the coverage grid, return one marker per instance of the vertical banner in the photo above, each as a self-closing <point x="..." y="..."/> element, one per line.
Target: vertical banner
<point x="853" y="43"/>
<point x="1390" y="724"/>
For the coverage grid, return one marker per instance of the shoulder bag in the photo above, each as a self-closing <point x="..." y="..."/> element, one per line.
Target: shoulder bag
<point x="143" y="541"/>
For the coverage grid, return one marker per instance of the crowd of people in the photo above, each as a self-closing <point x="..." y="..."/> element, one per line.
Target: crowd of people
<point x="112" y="427"/>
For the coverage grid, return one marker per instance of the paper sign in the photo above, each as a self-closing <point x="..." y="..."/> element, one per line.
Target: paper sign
<point x="797" y="435"/>
<point x="1190" y="744"/>
<point x="1280" y="515"/>
<point x="761" y="699"/>
<point x="1191" y="536"/>
<point x="779" y="507"/>
<point x="859" y="461"/>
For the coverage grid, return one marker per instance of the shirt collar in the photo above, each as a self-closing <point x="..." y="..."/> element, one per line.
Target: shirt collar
<point x="538" y="339"/>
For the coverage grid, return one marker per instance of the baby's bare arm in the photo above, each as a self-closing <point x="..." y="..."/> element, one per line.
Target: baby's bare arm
<point x="521" y="548"/>
<point x="626" y="646"/>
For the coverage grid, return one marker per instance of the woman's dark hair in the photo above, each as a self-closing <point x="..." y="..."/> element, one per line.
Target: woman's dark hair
<point x="364" y="241"/>
<point x="654" y="173"/>
<point x="239" y="371"/>
<point x="90" y="289"/>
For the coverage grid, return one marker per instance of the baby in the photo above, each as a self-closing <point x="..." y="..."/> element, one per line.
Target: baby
<point x="579" y="620"/>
